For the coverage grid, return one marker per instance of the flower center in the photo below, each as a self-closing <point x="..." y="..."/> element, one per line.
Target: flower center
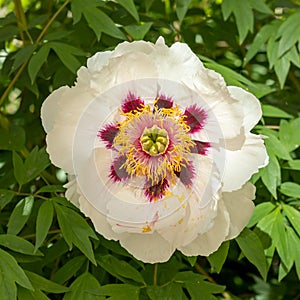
<point x="154" y="140"/>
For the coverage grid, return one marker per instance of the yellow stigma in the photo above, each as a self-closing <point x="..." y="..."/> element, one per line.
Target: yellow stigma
<point x="154" y="140"/>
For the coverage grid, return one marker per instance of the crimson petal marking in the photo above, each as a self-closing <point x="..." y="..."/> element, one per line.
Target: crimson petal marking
<point x="107" y="134"/>
<point x="117" y="173"/>
<point x="195" y="117"/>
<point x="132" y="103"/>
<point x="163" y="102"/>
<point x="200" y="147"/>
<point x="186" y="174"/>
<point x="156" y="191"/>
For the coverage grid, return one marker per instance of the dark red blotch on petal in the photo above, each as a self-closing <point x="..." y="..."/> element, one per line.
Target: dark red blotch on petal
<point x="117" y="172"/>
<point x="156" y="191"/>
<point x="200" y="147"/>
<point x="195" y="117"/>
<point x="186" y="174"/>
<point x="163" y="102"/>
<point x="132" y="103"/>
<point x="107" y="134"/>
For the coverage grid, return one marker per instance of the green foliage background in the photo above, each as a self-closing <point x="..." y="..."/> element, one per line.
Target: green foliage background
<point x="48" y="250"/>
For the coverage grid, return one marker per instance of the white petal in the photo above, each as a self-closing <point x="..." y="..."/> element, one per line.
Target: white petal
<point x="149" y="248"/>
<point x="99" y="60"/>
<point x="251" y="106"/>
<point x="208" y="242"/>
<point x="71" y="193"/>
<point x="240" y="165"/>
<point x="240" y="208"/>
<point x="49" y="108"/>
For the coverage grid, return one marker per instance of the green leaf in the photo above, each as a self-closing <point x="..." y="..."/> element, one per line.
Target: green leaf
<point x="138" y="32"/>
<point x="290" y="189"/>
<point x="79" y="231"/>
<point x="243" y="13"/>
<point x="118" y="291"/>
<point x="130" y="7"/>
<point x="281" y="67"/>
<point x="253" y="250"/>
<point x="181" y="8"/>
<point x="69" y="269"/>
<point x="118" y="268"/>
<point x="289" y="33"/>
<point x="275" y="146"/>
<point x="22" y="56"/>
<point x="260" y="6"/>
<point x="293" y="216"/>
<point x="44" y="284"/>
<point x="43" y="222"/>
<point x="197" y="287"/>
<point x="17" y="244"/>
<point x="36" y="62"/>
<point x="19" y="169"/>
<point x="20" y="215"/>
<point x="192" y="260"/>
<point x="217" y="259"/>
<point x="24" y="294"/>
<point x="51" y="189"/>
<point x="5" y="197"/>
<point x="11" y="272"/>
<point x="66" y="53"/>
<point x="81" y="286"/>
<point x="274" y="112"/>
<point x="288" y="134"/>
<point x="12" y="138"/>
<point x="271" y="175"/>
<point x="294" y="164"/>
<point x="170" y="291"/>
<point x="260" y="211"/>
<point x="97" y="20"/>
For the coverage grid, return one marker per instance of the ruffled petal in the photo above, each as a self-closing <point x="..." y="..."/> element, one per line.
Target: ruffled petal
<point x="71" y="193"/>
<point x="208" y="242"/>
<point x="240" y="208"/>
<point x="240" y="165"/>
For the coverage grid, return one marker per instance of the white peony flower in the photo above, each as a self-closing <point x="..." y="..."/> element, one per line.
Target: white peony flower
<point x="158" y="149"/>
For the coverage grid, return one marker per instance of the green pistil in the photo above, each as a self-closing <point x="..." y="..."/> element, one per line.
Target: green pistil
<point x="154" y="140"/>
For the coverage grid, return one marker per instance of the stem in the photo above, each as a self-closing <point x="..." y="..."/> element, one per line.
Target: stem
<point x="32" y="235"/>
<point x="225" y="294"/>
<point x="22" y="22"/>
<point x="155" y="274"/>
<point x="11" y="84"/>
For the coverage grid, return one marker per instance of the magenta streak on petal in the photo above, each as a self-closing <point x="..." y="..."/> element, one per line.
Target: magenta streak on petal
<point x="195" y="118"/>
<point x="200" y="147"/>
<point x="107" y="135"/>
<point x="117" y="172"/>
<point x="156" y="191"/>
<point x="132" y="103"/>
<point x="163" y="102"/>
<point x="186" y="174"/>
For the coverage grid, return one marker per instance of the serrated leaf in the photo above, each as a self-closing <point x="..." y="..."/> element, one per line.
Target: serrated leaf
<point x="260" y="211"/>
<point x="119" y="268"/>
<point x="130" y="7"/>
<point x="97" y="20"/>
<point x="69" y="269"/>
<point x="79" y="289"/>
<point x="44" y="284"/>
<point x="118" y="291"/>
<point x="36" y="62"/>
<point x="271" y="175"/>
<point x="138" y="32"/>
<point x="43" y="222"/>
<point x="12" y="138"/>
<point x="5" y="197"/>
<point x="243" y="13"/>
<point x="289" y="33"/>
<point x="293" y="216"/>
<point x="182" y="8"/>
<point x="17" y="244"/>
<point x="11" y="272"/>
<point x="217" y="259"/>
<point x="274" y="112"/>
<point x="253" y="250"/>
<point x="77" y="234"/>
<point x="20" y="215"/>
